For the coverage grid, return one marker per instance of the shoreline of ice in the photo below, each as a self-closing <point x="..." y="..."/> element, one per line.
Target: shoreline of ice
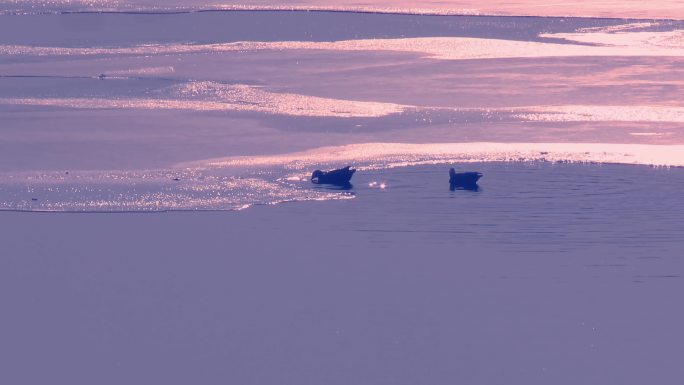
<point x="87" y="8"/>
<point x="387" y="155"/>
<point x="237" y="183"/>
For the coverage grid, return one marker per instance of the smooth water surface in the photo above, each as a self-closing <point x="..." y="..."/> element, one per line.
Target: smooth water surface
<point x="550" y="273"/>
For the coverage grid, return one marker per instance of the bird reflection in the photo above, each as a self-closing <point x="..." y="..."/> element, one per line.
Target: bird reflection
<point x="336" y="187"/>
<point x="469" y="187"/>
<point x="343" y="186"/>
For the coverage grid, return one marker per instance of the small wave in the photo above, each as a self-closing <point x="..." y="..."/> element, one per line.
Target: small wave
<point x="642" y="43"/>
<point x="622" y="44"/>
<point x="594" y="113"/>
<point x="622" y="9"/>
<point x="217" y="97"/>
<point x="35" y="7"/>
<point x="27" y="7"/>
<point x="260" y="99"/>
<point x="209" y="96"/>
<point x="144" y="71"/>
<point x="621" y="27"/>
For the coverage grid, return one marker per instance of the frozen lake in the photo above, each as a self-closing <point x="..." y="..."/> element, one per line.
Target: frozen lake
<point x="102" y="110"/>
<point x="159" y="226"/>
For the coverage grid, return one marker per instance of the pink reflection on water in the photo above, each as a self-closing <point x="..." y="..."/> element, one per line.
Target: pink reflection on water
<point x="595" y="113"/>
<point x="209" y="96"/>
<point x="659" y="9"/>
<point x="387" y="155"/>
<point x="624" y="44"/>
<point x="664" y="9"/>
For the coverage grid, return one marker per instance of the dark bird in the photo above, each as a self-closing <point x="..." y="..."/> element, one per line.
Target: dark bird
<point x="467" y="180"/>
<point x="340" y="177"/>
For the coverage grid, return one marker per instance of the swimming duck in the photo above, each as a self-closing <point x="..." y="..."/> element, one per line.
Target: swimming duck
<point x="340" y="176"/>
<point x="466" y="179"/>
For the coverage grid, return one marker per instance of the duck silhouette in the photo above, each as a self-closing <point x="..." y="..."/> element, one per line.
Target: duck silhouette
<point x="339" y="177"/>
<point x="466" y="180"/>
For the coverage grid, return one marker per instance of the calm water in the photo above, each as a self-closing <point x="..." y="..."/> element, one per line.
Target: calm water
<point x="551" y="273"/>
<point x="611" y="210"/>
